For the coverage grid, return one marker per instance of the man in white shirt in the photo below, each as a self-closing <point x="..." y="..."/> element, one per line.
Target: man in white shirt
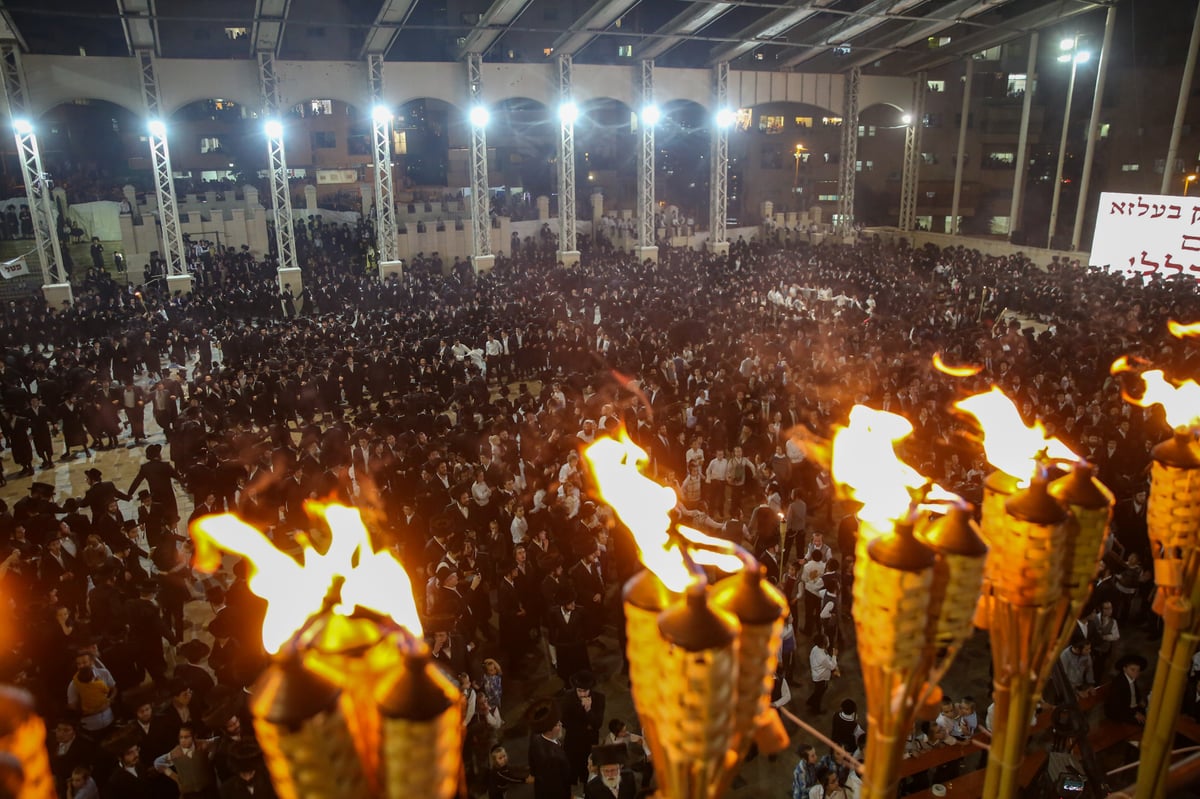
<point x="714" y="482"/>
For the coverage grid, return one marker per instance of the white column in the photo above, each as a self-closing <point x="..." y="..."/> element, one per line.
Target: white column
<point x="1185" y="91"/>
<point x="962" y="146"/>
<point x="718" y="195"/>
<point x="568" y="112"/>
<point x="648" y="116"/>
<point x="1089" y="154"/>
<point x="481" y="216"/>
<point x="1022" y="158"/>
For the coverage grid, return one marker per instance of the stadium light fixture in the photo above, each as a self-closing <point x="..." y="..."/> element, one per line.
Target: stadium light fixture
<point x="273" y="128"/>
<point x="725" y="118"/>
<point x="568" y="113"/>
<point x="22" y="126"/>
<point x="651" y="115"/>
<point x="479" y="116"/>
<point x="157" y="128"/>
<point x="381" y="113"/>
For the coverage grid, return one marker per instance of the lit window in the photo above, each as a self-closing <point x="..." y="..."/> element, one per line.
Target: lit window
<point x="547" y="51"/>
<point x="321" y="108"/>
<point x="233" y="34"/>
<point x="804" y="122"/>
<point x="771" y="124"/>
<point x="938" y="41"/>
<point x="1130" y="167"/>
<point x="831" y="121"/>
<point x="400" y="142"/>
<point x="1016" y="84"/>
<point x="1104" y="128"/>
<point x="936" y="85"/>
<point x="827" y="198"/>
<point x="743" y="118"/>
<point x="625" y="51"/>
<point x="210" y="144"/>
<point x="929" y="158"/>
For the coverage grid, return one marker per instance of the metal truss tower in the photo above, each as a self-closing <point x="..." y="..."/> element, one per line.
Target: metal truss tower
<point x="281" y="195"/>
<point x="481" y="217"/>
<point x="647" y="119"/>
<point x="847" y="163"/>
<point x="386" y="246"/>
<point x="37" y="185"/>
<point x="568" y="246"/>
<point x="718" y="182"/>
<point x="164" y="184"/>
<point x="912" y="156"/>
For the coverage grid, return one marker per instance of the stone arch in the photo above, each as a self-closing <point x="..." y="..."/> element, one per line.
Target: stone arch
<point x="429" y="128"/>
<point x="216" y="139"/>
<point x="523" y="140"/>
<point x="605" y="154"/>
<point x="101" y="141"/>
<point x="682" y="166"/>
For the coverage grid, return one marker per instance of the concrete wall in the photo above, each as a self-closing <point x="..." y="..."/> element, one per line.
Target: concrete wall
<point x="993" y="247"/>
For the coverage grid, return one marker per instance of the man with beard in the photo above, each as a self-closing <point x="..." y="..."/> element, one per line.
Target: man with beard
<point x="582" y="719"/>
<point x="547" y="761"/>
<point x="129" y="779"/>
<point x="614" y="781"/>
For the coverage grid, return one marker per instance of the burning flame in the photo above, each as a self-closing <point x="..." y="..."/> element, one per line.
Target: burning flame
<point x="373" y="581"/>
<point x="1010" y="446"/>
<point x="865" y="462"/>
<point x="1180" y="330"/>
<point x="954" y="371"/>
<point x="1181" y="403"/>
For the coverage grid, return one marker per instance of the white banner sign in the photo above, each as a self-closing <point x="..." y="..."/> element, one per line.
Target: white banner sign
<point x="337" y="176"/>
<point x="1148" y="234"/>
<point x="14" y="268"/>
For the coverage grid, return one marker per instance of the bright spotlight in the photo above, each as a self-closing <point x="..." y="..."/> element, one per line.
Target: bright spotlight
<point x="1065" y="58"/>
<point x="1082" y="57"/>
<point x="480" y="116"/>
<point x="725" y="118"/>
<point x="157" y="128"/>
<point x="906" y="119"/>
<point x="568" y="113"/>
<point x="381" y="113"/>
<point x="1066" y="44"/>
<point x="651" y="115"/>
<point x="274" y="128"/>
<point x="23" y="126"/>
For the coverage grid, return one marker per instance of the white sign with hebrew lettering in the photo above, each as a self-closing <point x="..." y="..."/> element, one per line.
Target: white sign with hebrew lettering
<point x="1148" y="234"/>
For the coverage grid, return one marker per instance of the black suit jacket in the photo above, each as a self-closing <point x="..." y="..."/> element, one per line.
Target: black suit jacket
<point x="550" y="769"/>
<point x="1117" y="703"/>
<point x="596" y="789"/>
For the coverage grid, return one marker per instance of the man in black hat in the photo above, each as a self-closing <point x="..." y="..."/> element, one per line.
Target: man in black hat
<point x="129" y="780"/>
<point x="147" y="631"/>
<point x="565" y="634"/>
<point x="589" y="587"/>
<point x="158" y="475"/>
<point x="99" y="492"/>
<point x="69" y="751"/>
<point x="614" y="780"/>
<point x="1126" y="701"/>
<point x="583" y="719"/>
<point x="251" y="780"/>
<point x="548" y="762"/>
<point x="516" y="621"/>
<point x="41" y="420"/>
<point x="153" y="735"/>
<point x="193" y="673"/>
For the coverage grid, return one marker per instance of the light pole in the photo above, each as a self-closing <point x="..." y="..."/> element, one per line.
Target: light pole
<point x="1070" y="53"/>
<point x="1187" y="183"/>
<point x="800" y="150"/>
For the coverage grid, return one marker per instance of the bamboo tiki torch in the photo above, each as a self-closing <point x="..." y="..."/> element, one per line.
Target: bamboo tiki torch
<point x="1091" y="505"/>
<point x="698" y="646"/>
<point x="422" y="731"/>
<point x="306" y="742"/>
<point x="891" y="618"/>
<point x="1025" y="564"/>
<point x="645" y="597"/>
<point x="957" y="577"/>
<point x="1173" y="523"/>
<point x="23" y="735"/>
<point x="760" y="609"/>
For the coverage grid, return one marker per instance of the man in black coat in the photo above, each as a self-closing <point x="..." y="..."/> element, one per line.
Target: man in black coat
<point x="129" y="779"/>
<point x="547" y="761"/>
<point x="589" y="587"/>
<point x="99" y="492"/>
<point x="614" y="781"/>
<point x="158" y="475"/>
<point x="41" y="422"/>
<point x="582" y="719"/>
<point x="69" y="751"/>
<point x="1126" y="701"/>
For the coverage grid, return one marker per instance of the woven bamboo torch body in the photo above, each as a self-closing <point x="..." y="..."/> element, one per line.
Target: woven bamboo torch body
<point x="306" y="742"/>
<point x="957" y="578"/>
<point x="760" y="609"/>
<point x="1090" y="504"/>
<point x="23" y="735"/>
<point x="694" y="726"/>
<point x="422" y="732"/>
<point x="1025" y="567"/>
<point x="891" y="618"/>
<point x="997" y="489"/>
<point x="1173" y="524"/>
<point x="645" y="597"/>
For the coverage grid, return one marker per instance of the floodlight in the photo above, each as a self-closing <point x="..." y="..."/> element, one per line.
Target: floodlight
<point x="568" y="112"/>
<point x="906" y="119"/>
<point x="651" y="115"/>
<point x="1082" y="57"/>
<point x="480" y="116"/>
<point x="22" y="126"/>
<point x="157" y="128"/>
<point x="381" y="113"/>
<point x="273" y="128"/>
<point x="1066" y="44"/>
<point x="725" y="118"/>
<point x="1065" y="58"/>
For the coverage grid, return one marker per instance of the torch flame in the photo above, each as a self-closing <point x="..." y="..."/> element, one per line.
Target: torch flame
<point x="954" y="371"/>
<point x="1008" y="443"/>
<point x="1180" y="330"/>
<point x="717" y="552"/>
<point x="1181" y="403"/>
<point x="642" y="504"/>
<point x="865" y="462"/>
<point x="374" y="581"/>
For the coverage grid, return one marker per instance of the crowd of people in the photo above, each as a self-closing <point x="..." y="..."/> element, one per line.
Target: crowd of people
<point x="453" y="409"/>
